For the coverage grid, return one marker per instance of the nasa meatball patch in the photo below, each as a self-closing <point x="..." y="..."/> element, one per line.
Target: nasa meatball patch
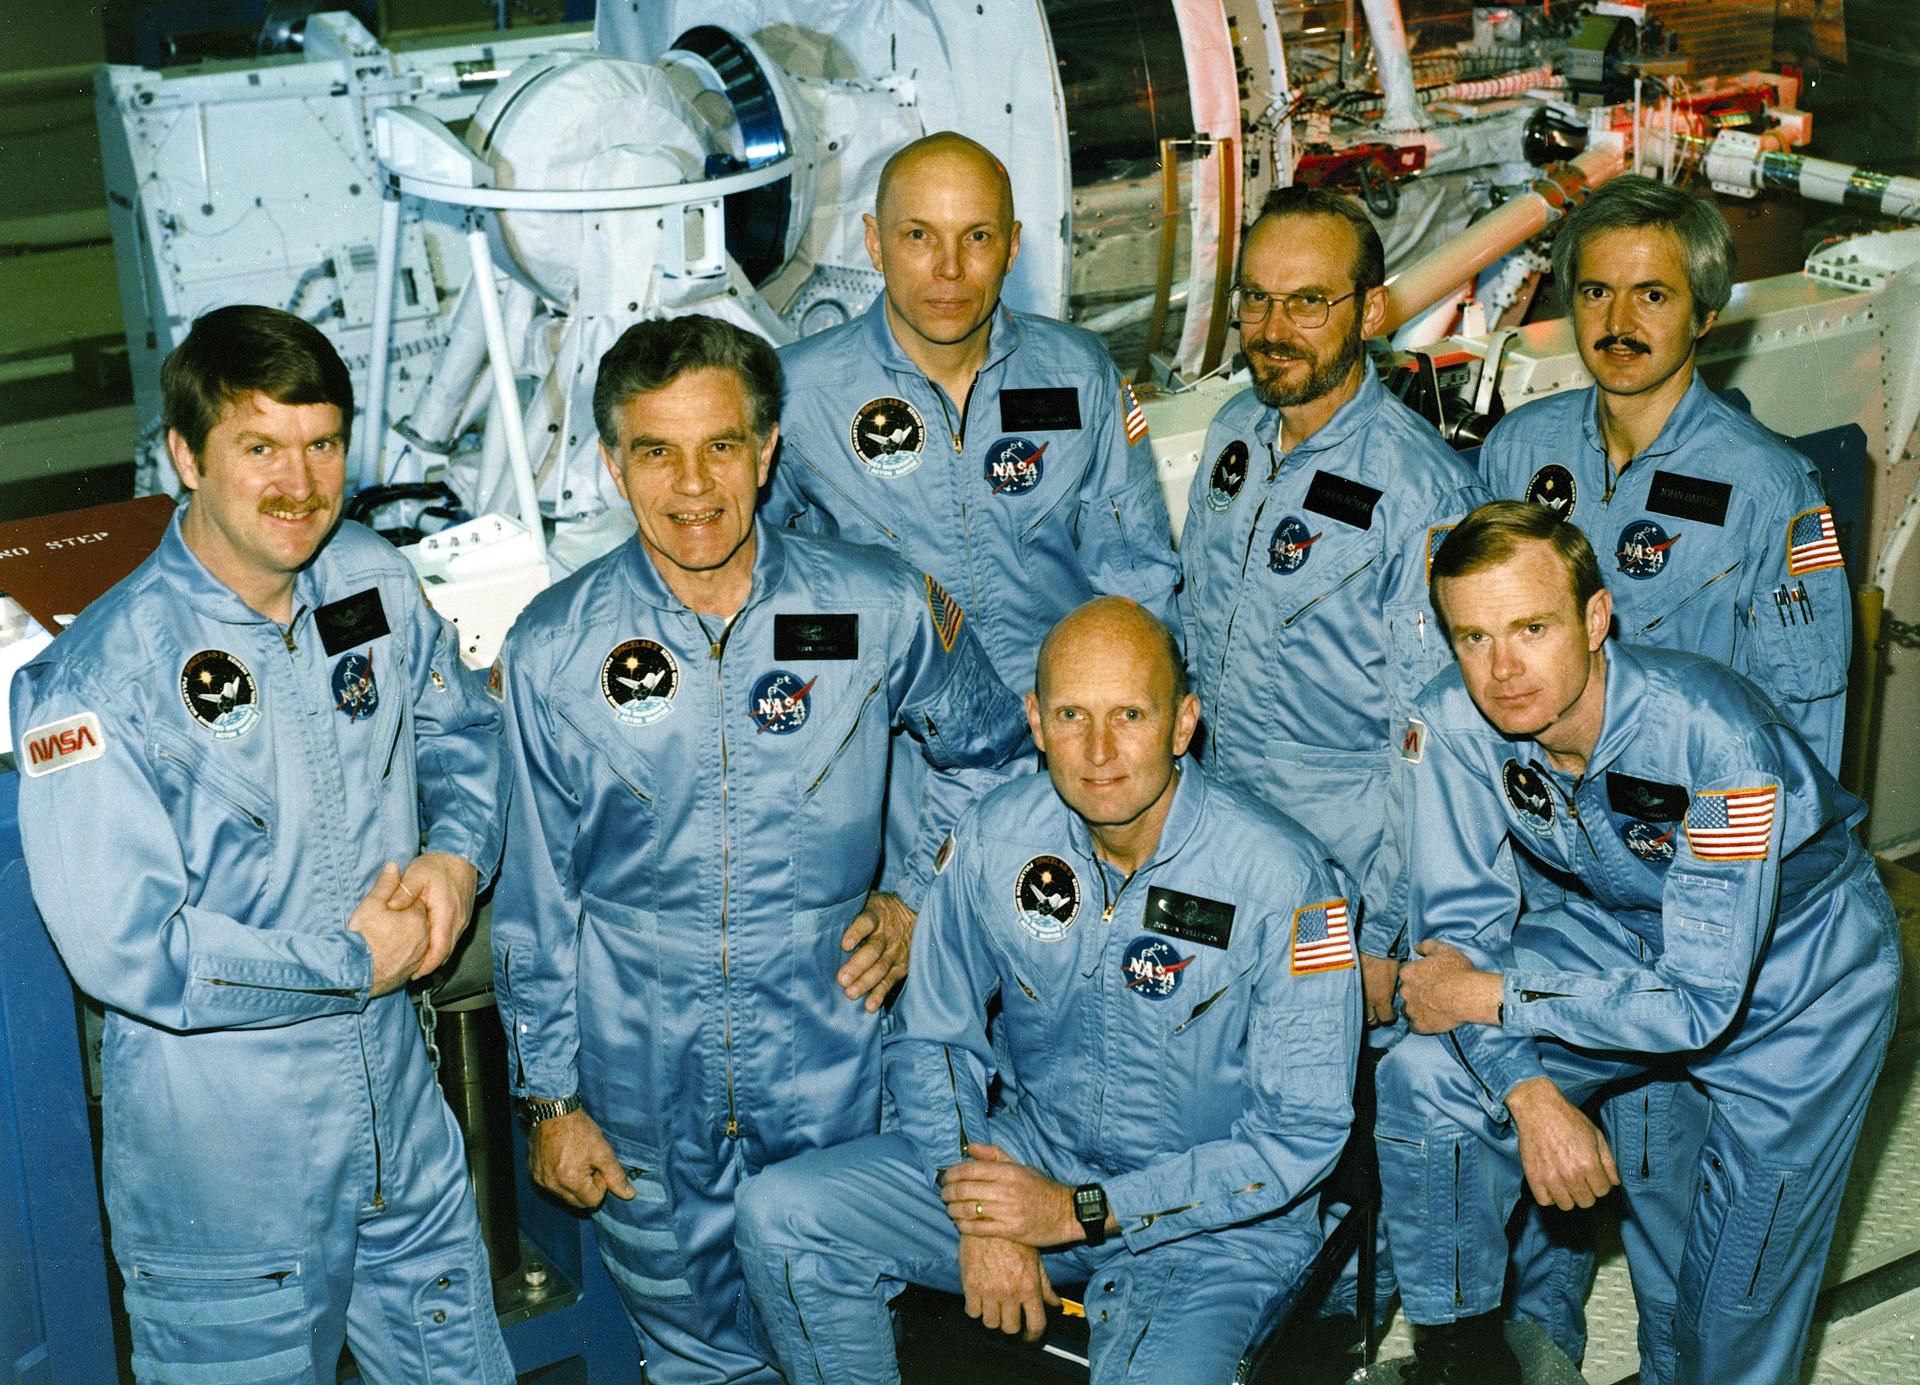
<point x="1152" y="967"/>
<point x="639" y="679"/>
<point x="1046" y="896"/>
<point x="1643" y="548"/>
<point x="58" y="745"/>
<point x="220" y="694"/>
<point x="355" y="693"/>
<point x="1014" y="466"/>
<point x="779" y="703"/>
<point x="1292" y="545"/>
<point x="888" y="436"/>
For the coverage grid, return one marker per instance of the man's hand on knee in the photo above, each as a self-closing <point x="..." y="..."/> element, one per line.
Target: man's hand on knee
<point x="1006" y="1286"/>
<point x="570" y="1157"/>
<point x="1565" y="1156"/>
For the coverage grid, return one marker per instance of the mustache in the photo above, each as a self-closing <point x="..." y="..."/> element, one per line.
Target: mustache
<point x="298" y="510"/>
<point x="1634" y="344"/>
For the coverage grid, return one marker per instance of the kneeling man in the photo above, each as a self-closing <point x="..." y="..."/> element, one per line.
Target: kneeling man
<point x="1176" y="967"/>
<point x="1719" y="921"/>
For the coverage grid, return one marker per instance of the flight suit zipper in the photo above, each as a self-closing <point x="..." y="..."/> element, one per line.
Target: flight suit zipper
<point x="1246" y="556"/>
<point x="717" y="650"/>
<point x="835" y="486"/>
<point x="959" y="1116"/>
<point x="379" y="1203"/>
<point x="1337" y="586"/>
<point x="845" y="740"/>
<point x="1654" y="624"/>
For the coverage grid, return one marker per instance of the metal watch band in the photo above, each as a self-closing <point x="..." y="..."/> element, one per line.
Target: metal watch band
<point x="537" y="1109"/>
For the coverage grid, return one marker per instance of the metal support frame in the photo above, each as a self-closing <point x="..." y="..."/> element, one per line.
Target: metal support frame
<point x="419" y="157"/>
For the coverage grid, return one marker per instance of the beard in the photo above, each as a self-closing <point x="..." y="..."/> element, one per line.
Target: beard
<point x="1322" y="378"/>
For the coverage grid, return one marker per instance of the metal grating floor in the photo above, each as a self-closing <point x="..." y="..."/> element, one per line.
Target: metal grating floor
<point x="1879" y="1225"/>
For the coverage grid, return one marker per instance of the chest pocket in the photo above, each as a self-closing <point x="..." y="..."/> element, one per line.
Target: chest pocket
<point x="1679" y="607"/>
<point x="1305" y="559"/>
<point x="623" y="753"/>
<point x="853" y="505"/>
<point x="851" y="736"/>
<point x="222" y="813"/>
<point x="372" y="700"/>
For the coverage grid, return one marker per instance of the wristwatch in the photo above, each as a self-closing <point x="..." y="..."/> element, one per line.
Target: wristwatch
<point x="1090" y="1210"/>
<point x="538" y="1108"/>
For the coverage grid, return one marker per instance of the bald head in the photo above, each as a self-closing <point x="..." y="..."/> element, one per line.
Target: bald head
<point x="950" y="159"/>
<point x="1113" y="629"/>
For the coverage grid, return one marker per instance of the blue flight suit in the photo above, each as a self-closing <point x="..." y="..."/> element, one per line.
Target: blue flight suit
<point x="206" y="797"/>
<point x="1696" y="537"/>
<point x="1185" y="1037"/>
<point x="1717" y="919"/>
<point x="696" y="821"/>
<point x="1026" y="499"/>
<point x="1308" y="626"/>
<point x="1715" y="539"/>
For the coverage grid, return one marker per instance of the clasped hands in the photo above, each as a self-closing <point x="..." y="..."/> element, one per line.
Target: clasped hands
<point x="1005" y="1212"/>
<point x="411" y="919"/>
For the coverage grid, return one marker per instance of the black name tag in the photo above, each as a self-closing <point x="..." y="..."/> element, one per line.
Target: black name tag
<point x="1689" y="497"/>
<point x="817" y="637"/>
<point x="1040" y="411"/>
<point x="350" y="621"/>
<point x="1646" y="799"/>
<point x="1188" y="917"/>
<point x="1338" y="498"/>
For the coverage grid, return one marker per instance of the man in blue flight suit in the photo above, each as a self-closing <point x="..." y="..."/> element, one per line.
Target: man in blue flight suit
<point x="698" y="724"/>
<point x="1719" y="542"/>
<point x="1314" y="512"/>
<point x="1177" y="968"/>
<point x="1717" y="920"/>
<point x="998" y="450"/>
<point x="226" y="761"/>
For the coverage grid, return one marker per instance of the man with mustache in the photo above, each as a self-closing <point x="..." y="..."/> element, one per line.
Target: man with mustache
<point x="1714" y="537"/>
<point x="1756" y="952"/>
<point x="1318" y="500"/>
<point x="997" y="450"/>
<point x="699" y="725"/>
<point x="230" y="762"/>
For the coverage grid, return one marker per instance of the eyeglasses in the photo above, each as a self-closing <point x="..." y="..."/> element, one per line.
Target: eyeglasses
<point x="1304" y="309"/>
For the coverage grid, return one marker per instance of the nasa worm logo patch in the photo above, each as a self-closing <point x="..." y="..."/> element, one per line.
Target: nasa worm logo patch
<point x="1047" y="895"/>
<point x="1532" y="800"/>
<point x="888" y="436"/>
<point x="1229" y="474"/>
<point x="779" y="702"/>
<point x="1291" y="547"/>
<point x="1553" y="487"/>
<point x="1014" y="466"/>
<point x="639" y="680"/>
<point x="355" y="694"/>
<point x="1643" y="548"/>
<point x="1651" y="842"/>
<point x="220" y="694"/>
<point x="1153" y="967"/>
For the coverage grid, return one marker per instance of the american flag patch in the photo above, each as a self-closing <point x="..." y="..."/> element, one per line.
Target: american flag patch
<point x="946" y="614"/>
<point x="1436" y="535"/>
<point x="1812" y="543"/>
<point x="1321" y="939"/>
<point x="1136" y="421"/>
<point x="1731" y="824"/>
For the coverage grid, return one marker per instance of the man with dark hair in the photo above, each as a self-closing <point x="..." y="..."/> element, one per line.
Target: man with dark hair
<point x="686" y="949"/>
<point x="1717" y="920"/>
<point x="271" y="719"/>
<point x="1181" y="1018"/>
<point x="998" y="449"/>
<point x="1318" y="500"/>
<point x="1717" y="539"/>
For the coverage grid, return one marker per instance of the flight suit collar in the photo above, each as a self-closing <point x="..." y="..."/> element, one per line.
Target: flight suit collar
<point x="183" y="571"/>
<point x="1183" y="818"/>
<point x="1003" y="339"/>
<point x="1620" y="717"/>
<point x="769" y="567"/>
<point x="1347" y="420"/>
<point x="1674" y="434"/>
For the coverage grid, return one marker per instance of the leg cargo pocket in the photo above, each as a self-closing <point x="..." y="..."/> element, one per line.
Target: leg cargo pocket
<point x="213" y="1318"/>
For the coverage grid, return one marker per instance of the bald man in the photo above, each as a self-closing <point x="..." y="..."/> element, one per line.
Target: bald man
<point x="1181" y="1003"/>
<point x="997" y="450"/>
